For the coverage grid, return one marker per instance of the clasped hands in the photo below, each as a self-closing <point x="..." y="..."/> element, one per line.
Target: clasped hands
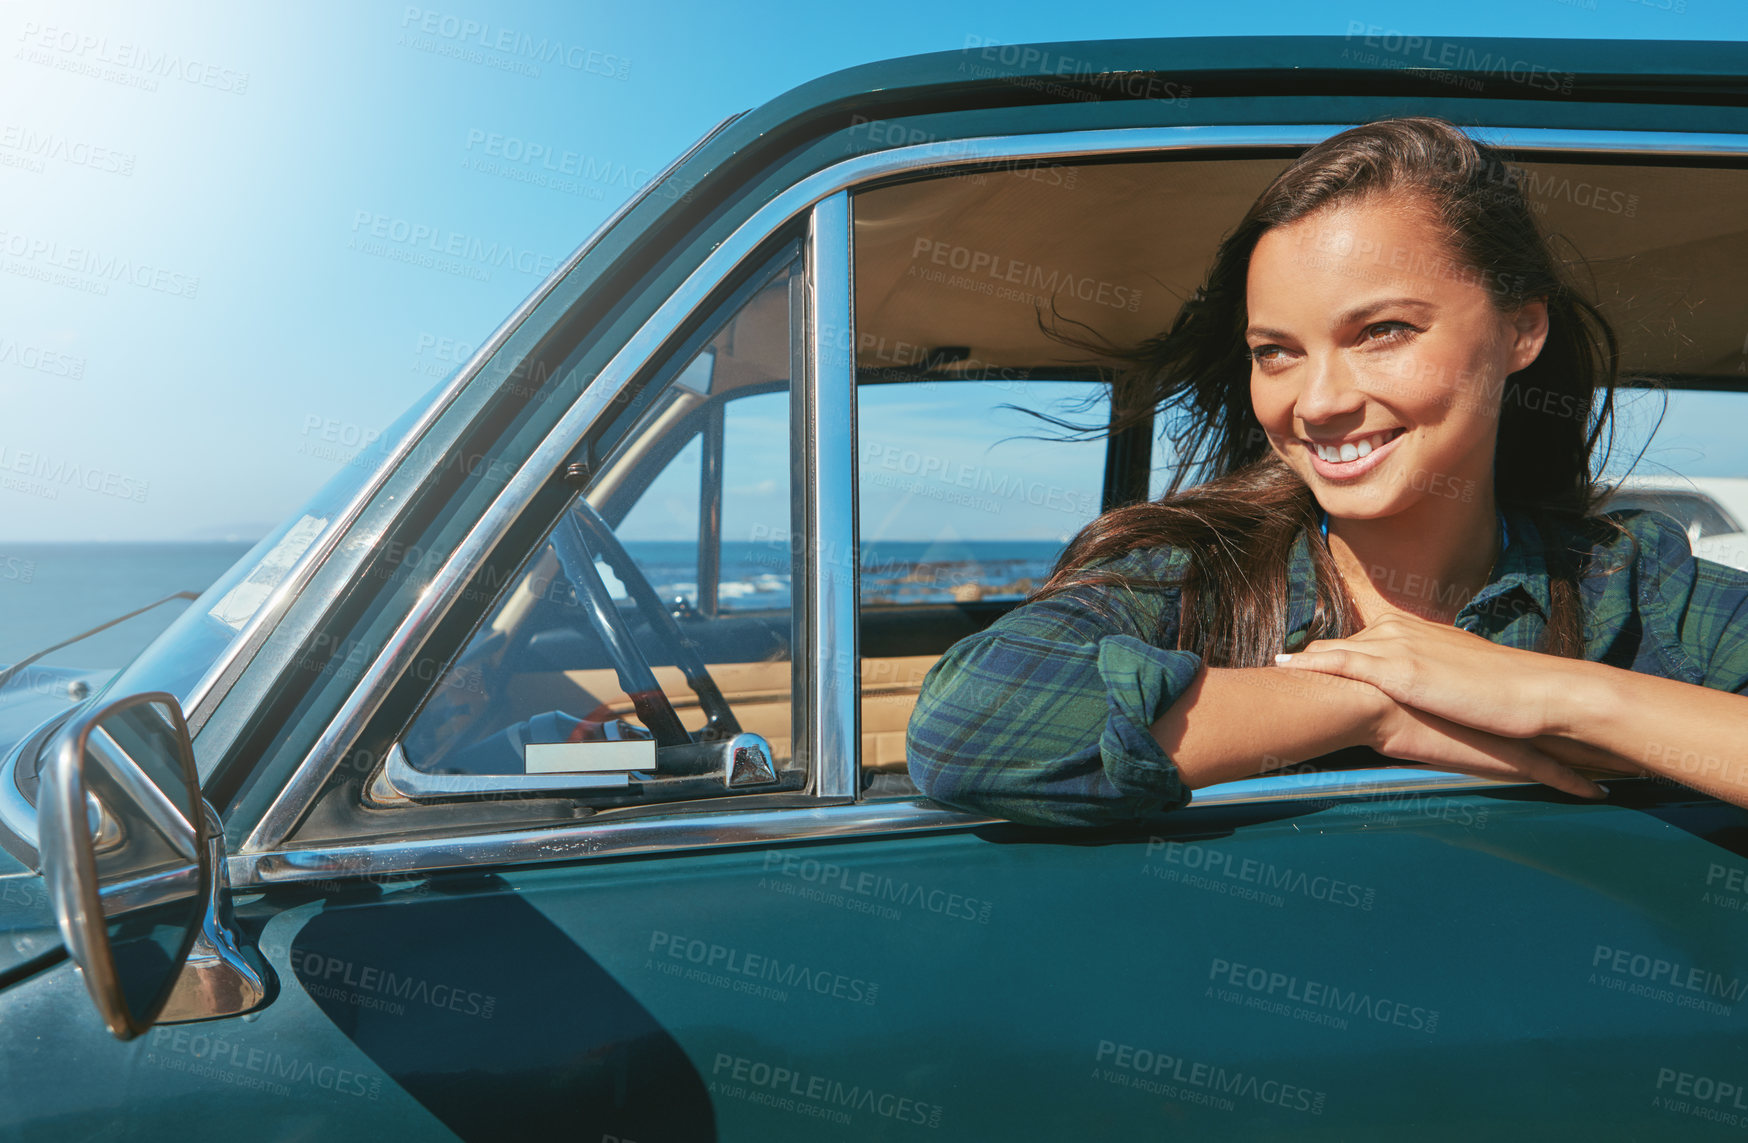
<point x="1459" y="702"/>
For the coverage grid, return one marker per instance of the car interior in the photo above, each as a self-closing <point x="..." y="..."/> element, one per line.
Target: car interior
<point x="959" y="282"/>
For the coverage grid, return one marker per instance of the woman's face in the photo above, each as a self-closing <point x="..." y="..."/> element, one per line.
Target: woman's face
<point x="1379" y="360"/>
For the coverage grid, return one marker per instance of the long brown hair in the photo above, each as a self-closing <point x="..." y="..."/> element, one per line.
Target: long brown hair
<point x="1239" y="521"/>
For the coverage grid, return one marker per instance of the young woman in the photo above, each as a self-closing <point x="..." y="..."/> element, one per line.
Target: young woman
<point x="1391" y="390"/>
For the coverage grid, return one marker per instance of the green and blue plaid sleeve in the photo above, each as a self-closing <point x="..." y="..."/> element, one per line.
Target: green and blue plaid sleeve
<point x="1046" y="717"/>
<point x="1693" y="611"/>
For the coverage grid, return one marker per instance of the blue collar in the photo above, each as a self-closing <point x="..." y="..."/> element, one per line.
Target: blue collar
<point x="1511" y="609"/>
<point x="1504" y="532"/>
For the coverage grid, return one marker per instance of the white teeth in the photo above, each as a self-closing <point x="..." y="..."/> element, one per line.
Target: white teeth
<point x="1351" y="451"/>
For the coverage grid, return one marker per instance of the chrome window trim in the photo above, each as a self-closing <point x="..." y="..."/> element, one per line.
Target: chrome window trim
<point x="401" y="780"/>
<point x="206" y="693"/>
<point x="832" y="571"/>
<point x="713" y="829"/>
<point x="782" y="826"/>
<point x="942" y="157"/>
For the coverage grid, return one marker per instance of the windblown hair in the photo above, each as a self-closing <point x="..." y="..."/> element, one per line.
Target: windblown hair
<point x="1239" y="521"/>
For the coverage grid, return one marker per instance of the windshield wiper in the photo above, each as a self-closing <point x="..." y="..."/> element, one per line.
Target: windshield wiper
<point x="7" y="673"/>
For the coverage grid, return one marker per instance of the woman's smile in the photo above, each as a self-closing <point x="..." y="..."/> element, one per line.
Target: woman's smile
<point x="1352" y="457"/>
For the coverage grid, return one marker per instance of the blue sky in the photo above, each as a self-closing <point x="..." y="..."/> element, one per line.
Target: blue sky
<point x="250" y="345"/>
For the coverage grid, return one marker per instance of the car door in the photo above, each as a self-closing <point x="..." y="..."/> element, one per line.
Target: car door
<point x="465" y="950"/>
<point x="1323" y="954"/>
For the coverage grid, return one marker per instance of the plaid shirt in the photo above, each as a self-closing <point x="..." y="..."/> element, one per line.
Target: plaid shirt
<point x="1046" y="717"/>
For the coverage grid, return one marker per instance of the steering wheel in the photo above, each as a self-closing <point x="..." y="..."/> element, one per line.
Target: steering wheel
<point x="579" y="537"/>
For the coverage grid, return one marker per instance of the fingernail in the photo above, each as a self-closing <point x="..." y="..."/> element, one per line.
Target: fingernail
<point x="1283" y="658"/>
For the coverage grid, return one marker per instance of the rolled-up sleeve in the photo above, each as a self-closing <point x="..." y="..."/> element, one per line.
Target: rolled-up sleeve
<point x="1046" y="717"/>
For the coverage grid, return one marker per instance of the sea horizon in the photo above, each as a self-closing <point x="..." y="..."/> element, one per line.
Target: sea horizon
<point x="53" y="590"/>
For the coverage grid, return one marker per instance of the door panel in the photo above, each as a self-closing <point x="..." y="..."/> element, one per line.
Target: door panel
<point x="1421" y="964"/>
<point x="284" y="1074"/>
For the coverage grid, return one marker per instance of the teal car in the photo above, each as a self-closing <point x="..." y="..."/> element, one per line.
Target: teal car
<point x="545" y="773"/>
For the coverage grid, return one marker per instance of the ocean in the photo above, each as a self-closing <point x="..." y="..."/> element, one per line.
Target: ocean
<point x="51" y="592"/>
<point x="756" y="576"/>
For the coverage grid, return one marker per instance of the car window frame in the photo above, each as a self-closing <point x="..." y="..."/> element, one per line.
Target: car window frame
<point x="829" y="489"/>
<point x="398" y="783"/>
<point x="646" y="356"/>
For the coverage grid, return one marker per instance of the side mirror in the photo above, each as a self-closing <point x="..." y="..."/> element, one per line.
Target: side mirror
<point x="126" y="852"/>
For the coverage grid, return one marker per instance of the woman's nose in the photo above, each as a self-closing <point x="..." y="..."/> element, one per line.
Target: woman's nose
<point x="1329" y="389"/>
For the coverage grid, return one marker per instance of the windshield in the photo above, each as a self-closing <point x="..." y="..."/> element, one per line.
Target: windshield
<point x="179" y="660"/>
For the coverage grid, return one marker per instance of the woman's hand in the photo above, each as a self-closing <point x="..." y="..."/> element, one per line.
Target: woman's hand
<point x="1582" y="756"/>
<point x="1447" y="672"/>
<point x="1414" y="736"/>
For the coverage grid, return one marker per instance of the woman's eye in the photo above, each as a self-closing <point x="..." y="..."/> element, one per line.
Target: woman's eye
<point x="1266" y="354"/>
<point x="1388" y="331"/>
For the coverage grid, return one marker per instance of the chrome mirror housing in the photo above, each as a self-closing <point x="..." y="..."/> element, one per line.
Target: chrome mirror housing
<point x="125" y="853"/>
<point x="133" y="860"/>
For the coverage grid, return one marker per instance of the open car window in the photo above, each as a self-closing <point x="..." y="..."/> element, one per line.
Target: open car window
<point x="964" y="281"/>
<point x="966" y="500"/>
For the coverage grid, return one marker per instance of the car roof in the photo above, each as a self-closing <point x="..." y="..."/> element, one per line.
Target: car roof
<point x="1728" y="484"/>
<point x="1729" y="493"/>
<point x="1369" y="61"/>
<point x="1687" y="70"/>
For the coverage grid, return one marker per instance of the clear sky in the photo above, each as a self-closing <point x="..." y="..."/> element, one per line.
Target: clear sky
<point x="249" y="345"/>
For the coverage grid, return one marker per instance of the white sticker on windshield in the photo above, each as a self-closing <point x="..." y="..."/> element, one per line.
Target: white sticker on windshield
<point x="587" y="757"/>
<point x="245" y="599"/>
